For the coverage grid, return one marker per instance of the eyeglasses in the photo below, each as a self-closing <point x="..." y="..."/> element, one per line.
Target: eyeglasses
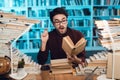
<point x="59" y="22"/>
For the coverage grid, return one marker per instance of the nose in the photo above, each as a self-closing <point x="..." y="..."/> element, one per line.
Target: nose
<point x="60" y="23"/>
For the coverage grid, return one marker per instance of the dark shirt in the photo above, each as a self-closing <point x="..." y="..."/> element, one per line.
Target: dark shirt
<point x="54" y="45"/>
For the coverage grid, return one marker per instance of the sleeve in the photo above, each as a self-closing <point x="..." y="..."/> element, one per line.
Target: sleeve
<point x="42" y="56"/>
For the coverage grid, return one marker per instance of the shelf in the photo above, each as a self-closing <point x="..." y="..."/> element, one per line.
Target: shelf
<point x="98" y="48"/>
<point x="30" y="50"/>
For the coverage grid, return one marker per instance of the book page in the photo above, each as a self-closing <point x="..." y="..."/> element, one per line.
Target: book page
<point x="80" y="46"/>
<point x="67" y="45"/>
<point x="80" y="42"/>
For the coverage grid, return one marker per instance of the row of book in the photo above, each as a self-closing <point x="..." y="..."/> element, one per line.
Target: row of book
<point x="12" y="3"/>
<point x="45" y="12"/>
<point x="79" y="23"/>
<point x="106" y="12"/>
<point x="95" y="64"/>
<point x="58" y="2"/>
<point x="23" y="44"/>
<point x="22" y="12"/>
<point x="34" y="34"/>
<point x="106" y="2"/>
<point x="22" y="3"/>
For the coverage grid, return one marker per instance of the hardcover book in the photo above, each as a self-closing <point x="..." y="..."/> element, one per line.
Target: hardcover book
<point x="69" y="47"/>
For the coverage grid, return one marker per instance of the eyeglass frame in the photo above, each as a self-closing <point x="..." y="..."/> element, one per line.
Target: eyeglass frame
<point x="59" y="22"/>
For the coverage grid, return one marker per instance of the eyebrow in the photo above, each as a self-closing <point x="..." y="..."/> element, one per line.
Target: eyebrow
<point x="59" y="20"/>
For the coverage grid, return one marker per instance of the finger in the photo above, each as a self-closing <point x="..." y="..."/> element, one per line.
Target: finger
<point x="45" y="33"/>
<point x="68" y="56"/>
<point x="74" y="56"/>
<point x="46" y="30"/>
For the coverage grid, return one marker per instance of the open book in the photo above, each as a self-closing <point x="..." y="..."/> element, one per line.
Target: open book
<point x="69" y="47"/>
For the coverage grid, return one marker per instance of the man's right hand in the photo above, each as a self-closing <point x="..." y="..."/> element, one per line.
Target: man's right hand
<point x="44" y="36"/>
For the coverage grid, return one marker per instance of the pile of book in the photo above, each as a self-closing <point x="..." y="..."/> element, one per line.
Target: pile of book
<point x="12" y="27"/>
<point x="109" y="37"/>
<point x="30" y="66"/>
<point x="97" y="61"/>
<point x="106" y="30"/>
<point x="59" y="66"/>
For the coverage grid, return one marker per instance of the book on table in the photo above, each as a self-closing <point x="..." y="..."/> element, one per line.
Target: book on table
<point x="59" y="66"/>
<point x="73" y="49"/>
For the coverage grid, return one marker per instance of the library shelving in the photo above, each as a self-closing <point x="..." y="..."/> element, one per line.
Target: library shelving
<point x="82" y="14"/>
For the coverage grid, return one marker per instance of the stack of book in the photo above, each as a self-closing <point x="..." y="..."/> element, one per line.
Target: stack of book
<point x="59" y="66"/>
<point x="109" y="37"/>
<point x="98" y="61"/>
<point x="104" y="33"/>
<point x="30" y="66"/>
<point x="12" y="27"/>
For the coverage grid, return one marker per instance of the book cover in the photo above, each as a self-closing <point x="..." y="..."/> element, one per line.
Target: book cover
<point x="69" y="47"/>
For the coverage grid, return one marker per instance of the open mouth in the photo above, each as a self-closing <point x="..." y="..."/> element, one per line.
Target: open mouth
<point x="61" y="27"/>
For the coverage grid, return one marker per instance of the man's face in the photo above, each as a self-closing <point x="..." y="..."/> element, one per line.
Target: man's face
<point x="60" y="23"/>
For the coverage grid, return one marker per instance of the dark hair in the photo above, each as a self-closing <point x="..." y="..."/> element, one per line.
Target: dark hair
<point x="58" y="10"/>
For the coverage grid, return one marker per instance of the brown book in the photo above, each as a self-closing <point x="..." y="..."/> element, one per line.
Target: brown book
<point x="59" y="66"/>
<point x="57" y="61"/>
<point x="69" y="47"/>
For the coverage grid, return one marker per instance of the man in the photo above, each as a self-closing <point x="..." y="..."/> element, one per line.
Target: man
<point x="52" y="41"/>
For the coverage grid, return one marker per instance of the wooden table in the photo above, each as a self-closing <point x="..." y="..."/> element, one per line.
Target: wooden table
<point x="57" y="77"/>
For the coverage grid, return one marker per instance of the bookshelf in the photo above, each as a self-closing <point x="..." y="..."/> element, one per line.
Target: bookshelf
<point x="82" y="14"/>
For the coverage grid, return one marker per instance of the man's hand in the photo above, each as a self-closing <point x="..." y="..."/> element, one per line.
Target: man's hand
<point x="74" y="59"/>
<point x="44" y="38"/>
